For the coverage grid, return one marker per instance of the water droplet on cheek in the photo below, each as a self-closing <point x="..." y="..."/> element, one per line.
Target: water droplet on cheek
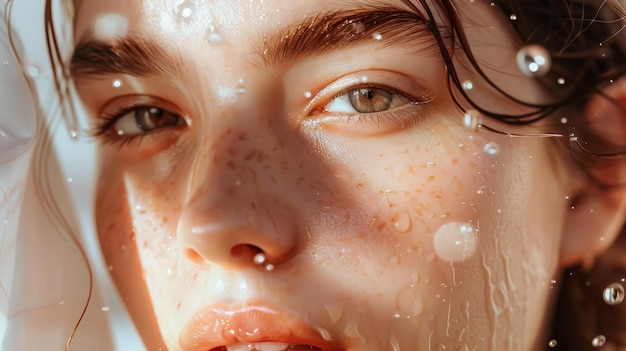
<point x="455" y="242"/>
<point x="613" y="294"/>
<point x="534" y="60"/>
<point x="401" y="222"/>
<point x="492" y="148"/>
<point x="471" y="120"/>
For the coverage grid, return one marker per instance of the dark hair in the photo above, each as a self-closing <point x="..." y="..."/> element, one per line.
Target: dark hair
<point x="588" y="51"/>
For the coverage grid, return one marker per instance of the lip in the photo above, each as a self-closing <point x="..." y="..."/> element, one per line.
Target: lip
<point x="227" y="324"/>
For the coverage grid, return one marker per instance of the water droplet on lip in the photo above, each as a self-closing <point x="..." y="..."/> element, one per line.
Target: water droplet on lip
<point x="598" y="341"/>
<point x="613" y="294"/>
<point x="534" y="60"/>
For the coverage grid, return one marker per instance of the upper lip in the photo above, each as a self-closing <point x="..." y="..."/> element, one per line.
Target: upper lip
<point x="226" y="324"/>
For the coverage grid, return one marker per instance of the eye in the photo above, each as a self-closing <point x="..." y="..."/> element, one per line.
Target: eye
<point x="368" y="99"/>
<point x="144" y="119"/>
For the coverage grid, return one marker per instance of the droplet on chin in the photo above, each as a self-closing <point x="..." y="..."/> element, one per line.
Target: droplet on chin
<point x="471" y="120"/>
<point x="598" y="341"/>
<point x="613" y="294"/>
<point x="534" y="60"/>
<point x="110" y="26"/>
<point x="455" y="242"/>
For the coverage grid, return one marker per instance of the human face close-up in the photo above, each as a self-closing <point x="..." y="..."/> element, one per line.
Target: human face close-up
<point x="296" y="175"/>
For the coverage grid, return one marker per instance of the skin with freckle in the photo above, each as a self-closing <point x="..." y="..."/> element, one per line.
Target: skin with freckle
<point x="393" y="230"/>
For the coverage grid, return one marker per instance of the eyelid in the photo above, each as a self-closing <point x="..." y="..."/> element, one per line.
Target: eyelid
<point x="398" y="83"/>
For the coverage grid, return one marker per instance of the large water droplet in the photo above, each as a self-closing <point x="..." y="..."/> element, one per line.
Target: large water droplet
<point x="409" y="302"/>
<point x="598" y="341"/>
<point x="401" y="222"/>
<point x="613" y="294"/>
<point x="471" y="120"/>
<point x="534" y="60"/>
<point x="455" y="242"/>
<point x="492" y="148"/>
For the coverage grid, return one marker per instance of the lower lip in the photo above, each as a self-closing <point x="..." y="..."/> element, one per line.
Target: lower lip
<point x="246" y="324"/>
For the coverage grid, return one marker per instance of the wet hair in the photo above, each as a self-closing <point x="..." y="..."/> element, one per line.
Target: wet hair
<point x="586" y="41"/>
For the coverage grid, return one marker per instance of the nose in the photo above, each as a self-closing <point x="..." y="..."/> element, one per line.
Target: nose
<point x="238" y="205"/>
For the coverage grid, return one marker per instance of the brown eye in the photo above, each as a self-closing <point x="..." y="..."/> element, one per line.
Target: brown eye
<point x="370" y="100"/>
<point x="150" y="118"/>
<point x="141" y="120"/>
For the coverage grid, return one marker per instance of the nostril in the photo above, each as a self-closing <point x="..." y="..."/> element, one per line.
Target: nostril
<point x="245" y="251"/>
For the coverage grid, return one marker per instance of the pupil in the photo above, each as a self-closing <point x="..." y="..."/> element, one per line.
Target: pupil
<point x="368" y="93"/>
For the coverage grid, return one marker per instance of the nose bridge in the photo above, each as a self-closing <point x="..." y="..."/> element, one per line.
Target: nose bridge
<point x="235" y="207"/>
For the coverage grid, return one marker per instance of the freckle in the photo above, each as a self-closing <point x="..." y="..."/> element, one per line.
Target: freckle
<point x="273" y="179"/>
<point x="411" y="170"/>
<point x="243" y="136"/>
<point x="232" y="151"/>
<point x="230" y="165"/>
<point x="362" y="235"/>
<point x="178" y="306"/>
<point x="455" y="161"/>
<point x="145" y="244"/>
<point x="431" y="178"/>
<point x="472" y="164"/>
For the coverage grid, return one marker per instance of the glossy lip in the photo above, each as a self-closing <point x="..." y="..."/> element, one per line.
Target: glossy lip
<point x="226" y="324"/>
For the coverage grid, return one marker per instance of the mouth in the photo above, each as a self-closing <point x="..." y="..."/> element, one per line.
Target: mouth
<point x="266" y="346"/>
<point x="253" y="327"/>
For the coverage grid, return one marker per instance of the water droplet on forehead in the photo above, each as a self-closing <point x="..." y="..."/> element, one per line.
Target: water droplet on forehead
<point x="471" y="120"/>
<point x="534" y="60"/>
<point x="468" y="85"/>
<point x="598" y="341"/>
<point x="492" y="148"/>
<point x="613" y="294"/>
<point x="186" y="9"/>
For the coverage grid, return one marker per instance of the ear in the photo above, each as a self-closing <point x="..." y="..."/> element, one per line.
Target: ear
<point x="597" y="212"/>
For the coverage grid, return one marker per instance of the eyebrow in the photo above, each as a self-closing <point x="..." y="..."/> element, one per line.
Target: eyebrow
<point x="385" y="25"/>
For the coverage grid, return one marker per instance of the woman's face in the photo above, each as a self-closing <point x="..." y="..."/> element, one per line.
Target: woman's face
<point x="296" y="173"/>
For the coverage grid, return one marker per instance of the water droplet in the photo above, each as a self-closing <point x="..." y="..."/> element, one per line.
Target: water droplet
<point x="5" y="62"/>
<point x="33" y="71"/>
<point x="552" y="281"/>
<point x="492" y="148"/>
<point x="561" y="81"/>
<point x="105" y="309"/>
<point x="552" y="343"/>
<point x="214" y="37"/>
<point x="74" y="133"/>
<point x="378" y="36"/>
<point x="70" y="180"/>
<point x="259" y="258"/>
<point x="117" y="83"/>
<point x="455" y="242"/>
<point x="598" y="341"/>
<point x="186" y="9"/>
<point x="513" y="17"/>
<point x="468" y="85"/>
<point x="409" y="302"/>
<point x="240" y="88"/>
<point x="471" y="120"/>
<point x="563" y="120"/>
<point x="364" y="79"/>
<point x="613" y="294"/>
<point x="401" y="222"/>
<point x="269" y="267"/>
<point x="534" y="60"/>
<point x="307" y="94"/>
<point x="335" y="312"/>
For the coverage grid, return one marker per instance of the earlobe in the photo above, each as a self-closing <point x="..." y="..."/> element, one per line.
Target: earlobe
<point x="597" y="212"/>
